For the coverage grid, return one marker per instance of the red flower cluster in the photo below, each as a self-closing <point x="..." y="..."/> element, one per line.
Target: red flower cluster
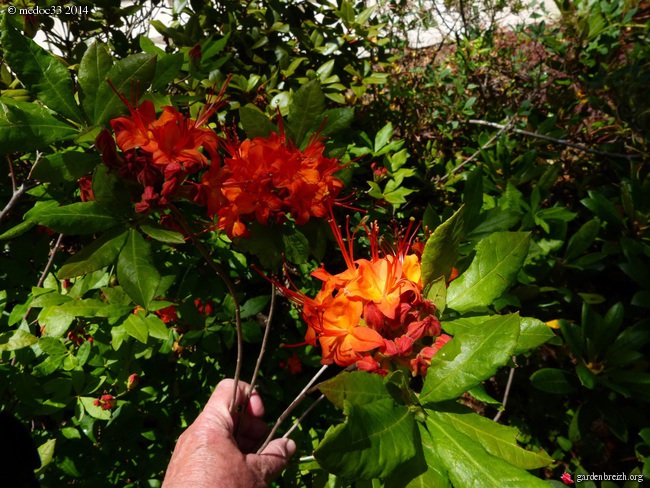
<point x="159" y="152"/>
<point x="107" y="402"/>
<point x="264" y="179"/>
<point x="373" y="313"/>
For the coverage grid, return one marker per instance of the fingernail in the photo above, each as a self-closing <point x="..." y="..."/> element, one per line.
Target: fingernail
<point x="291" y="447"/>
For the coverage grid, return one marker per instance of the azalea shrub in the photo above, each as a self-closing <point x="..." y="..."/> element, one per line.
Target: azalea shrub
<point x="176" y="216"/>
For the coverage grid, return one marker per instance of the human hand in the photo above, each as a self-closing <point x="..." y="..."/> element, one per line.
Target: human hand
<point x="208" y="454"/>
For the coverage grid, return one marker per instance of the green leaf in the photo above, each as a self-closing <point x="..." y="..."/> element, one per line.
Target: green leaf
<point x="17" y="230"/>
<point x="336" y="120"/>
<point x="28" y="126"/>
<point x="441" y="250"/>
<point x="157" y="328"/>
<point x="254" y="305"/>
<point x="111" y="193"/>
<point x="74" y="219"/>
<point x="98" y="254"/>
<point x="473" y="199"/>
<point x="582" y="240"/>
<point x="91" y="307"/>
<point x="296" y="247"/>
<point x="355" y="388"/>
<point x="533" y="333"/>
<point x="552" y="380"/>
<point x="168" y="68"/>
<point x="498" y="259"/>
<point x="136" y="327"/>
<point x="95" y="64"/>
<point x="162" y="234"/>
<point x="46" y="452"/>
<point x="436" y="291"/>
<point x="469" y="464"/>
<point x="135" y="71"/>
<point x="94" y="410"/>
<point x="472" y="356"/>
<point x="65" y="166"/>
<point x="41" y="73"/>
<point x="254" y="122"/>
<point x="424" y="471"/>
<point x="373" y="442"/>
<point x="307" y="104"/>
<point x="383" y="136"/>
<point x="18" y="339"/>
<point x="55" y="321"/>
<point x="499" y="440"/>
<point x="135" y="270"/>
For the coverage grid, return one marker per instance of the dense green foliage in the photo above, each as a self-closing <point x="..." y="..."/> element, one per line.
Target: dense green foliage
<point x="523" y="153"/>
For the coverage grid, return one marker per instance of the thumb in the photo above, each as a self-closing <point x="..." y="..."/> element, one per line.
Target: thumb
<point x="273" y="459"/>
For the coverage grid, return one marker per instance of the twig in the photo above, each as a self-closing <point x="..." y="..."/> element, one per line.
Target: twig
<point x="483" y="147"/>
<point x="553" y="139"/>
<point x="302" y="417"/>
<point x="20" y="191"/>
<point x="264" y="342"/>
<point x="13" y="200"/>
<point x="231" y="289"/>
<point x="505" y="395"/>
<point x="290" y="408"/>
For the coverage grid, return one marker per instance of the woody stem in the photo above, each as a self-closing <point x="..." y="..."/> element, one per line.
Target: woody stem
<point x="264" y="342"/>
<point x="231" y="289"/>
<point x="301" y="396"/>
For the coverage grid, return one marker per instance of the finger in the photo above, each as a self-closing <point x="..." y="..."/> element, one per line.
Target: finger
<point x="274" y="459"/>
<point x="222" y="395"/>
<point x="252" y="428"/>
<point x="255" y="406"/>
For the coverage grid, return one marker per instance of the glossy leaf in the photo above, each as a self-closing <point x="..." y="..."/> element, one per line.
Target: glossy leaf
<point x="96" y="255"/>
<point x="436" y="291"/>
<point x="74" y="219"/>
<point x="127" y="75"/>
<point x="533" y="333"/>
<point x="498" y="259"/>
<point x="376" y="439"/>
<point x="582" y="240"/>
<point x="95" y="64"/>
<point x="306" y="105"/>
<point x="162" y="234"/>
<point x="254" y="122"/>
<point x="499" y="440"/>
<point x="18" y="339"/>
<point x="55" y="321"/>
<point x="472" y="356"/>
<point x="136" y="327"/>
<point x="65" y="166"/>
<point x="356" y="388"/>
<point x="27" y="126"/>
<point x="42" y="73"/>
<point x="135" y="270"/>
<point x="469" y="464"/>
<point x="441" y="250"/>
<point x="94" y="410"/>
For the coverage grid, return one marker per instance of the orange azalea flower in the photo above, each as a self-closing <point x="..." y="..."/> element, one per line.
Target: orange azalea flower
<point x="265" y="179"/>
<point x="373" y="313"/>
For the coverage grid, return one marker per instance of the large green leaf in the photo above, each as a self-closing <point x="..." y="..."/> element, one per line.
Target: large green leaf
<point x="499" y="440"/>
<point x="128" y="75"/>
<point x="498" y="259"/>
<point x="95" y="65"/>
<point x="473" y="355"/>
<point x="555" y="381"/>
<point x="41" y="73"/>
<point x="98" y="254"/>
<point x="74" y="219"/>
<point x="424" y="471"/>
<point x="91" y="307"/>
<point x="441" y="250"/>
<point x="135" y="270"/>
<point x="356" y="388"/>
<point x="469" y="464"/>
<point x="307" y="104"/>
<point x="136" y="327"/>
<point x="55" y="322"/>
<point x="27" y="126"/>
<point x="373" y="442"/>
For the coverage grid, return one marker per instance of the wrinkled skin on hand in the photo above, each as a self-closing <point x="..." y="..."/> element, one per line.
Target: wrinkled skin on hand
<point x="209" y="455"/>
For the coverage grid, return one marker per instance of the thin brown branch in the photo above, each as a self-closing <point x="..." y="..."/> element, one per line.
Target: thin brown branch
<point x="555" y="140"/>
<point x="265" y="339"/>
<point x="302" y="417"/>
<point x="301" y="396"/>
<point x="505" y="394"/>
<point x="231" y="289"/>
<point x="483" y="147"/>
